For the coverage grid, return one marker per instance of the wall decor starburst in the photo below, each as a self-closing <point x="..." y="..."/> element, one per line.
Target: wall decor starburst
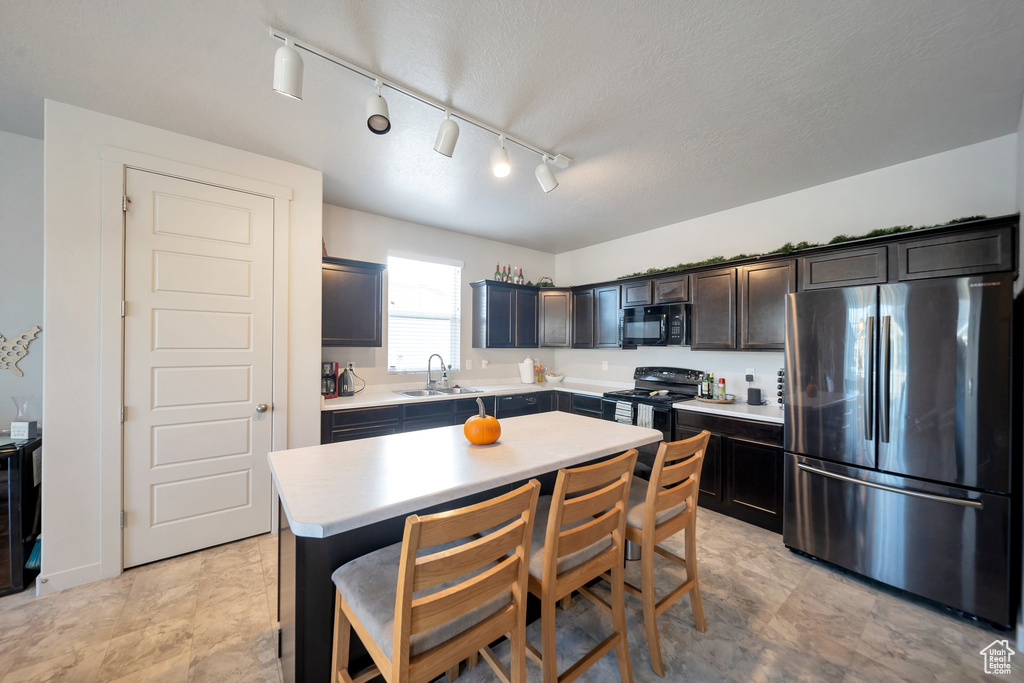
<point x="11" y="352"/>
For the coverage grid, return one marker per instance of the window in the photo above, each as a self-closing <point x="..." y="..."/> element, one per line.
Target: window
<point x="424" y="302"/>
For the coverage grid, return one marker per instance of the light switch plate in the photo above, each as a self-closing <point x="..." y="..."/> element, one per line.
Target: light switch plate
<point x="604" y="365"/>
<point x="469" y="363"/>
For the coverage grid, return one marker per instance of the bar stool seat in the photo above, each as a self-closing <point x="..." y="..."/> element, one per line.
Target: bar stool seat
<point x="369" y="584"/>
<point x="566" y="562"/>
<point x="637" y="498"/>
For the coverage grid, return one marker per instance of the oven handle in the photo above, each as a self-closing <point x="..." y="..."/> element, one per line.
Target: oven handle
<point x="963" y="502"/>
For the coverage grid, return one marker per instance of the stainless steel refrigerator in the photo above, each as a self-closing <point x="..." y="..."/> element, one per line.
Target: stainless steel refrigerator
<point x="898" y="436"/>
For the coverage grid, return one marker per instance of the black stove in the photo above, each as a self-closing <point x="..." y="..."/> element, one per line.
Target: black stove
<point x="679" y="384"/>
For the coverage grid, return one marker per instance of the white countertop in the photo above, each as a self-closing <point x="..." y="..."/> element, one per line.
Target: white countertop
<point x="329" y="489"/>
<point x="376" y="396"/>
<point x="769" y="413"/>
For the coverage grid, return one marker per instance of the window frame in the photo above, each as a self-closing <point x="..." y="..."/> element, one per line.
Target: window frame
<point x="455" y="318"/>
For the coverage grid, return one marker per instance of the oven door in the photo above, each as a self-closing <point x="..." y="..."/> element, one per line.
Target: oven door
<point x="645" y="326"/>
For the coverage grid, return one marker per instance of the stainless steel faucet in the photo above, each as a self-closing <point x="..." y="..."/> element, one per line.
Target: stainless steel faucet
<point x="432" y="383"/>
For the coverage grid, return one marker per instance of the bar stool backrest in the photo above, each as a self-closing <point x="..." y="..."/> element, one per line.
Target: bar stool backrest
<point x="675" y="479"/>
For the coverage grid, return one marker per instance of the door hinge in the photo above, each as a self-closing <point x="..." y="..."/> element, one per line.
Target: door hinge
<point x="122" y="518"/>
<point x="122" y="308"/>
<point x="122" y="413"/>
<point x="124" y="203"/>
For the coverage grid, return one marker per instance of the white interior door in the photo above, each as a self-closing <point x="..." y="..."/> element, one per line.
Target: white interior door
<point x="198" y="355"/>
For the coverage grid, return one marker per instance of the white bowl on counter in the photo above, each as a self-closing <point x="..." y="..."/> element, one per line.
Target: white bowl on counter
<point x="554" y="378"/>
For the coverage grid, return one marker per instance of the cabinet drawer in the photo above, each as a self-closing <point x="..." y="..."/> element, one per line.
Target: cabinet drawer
<point x="581" y="403"/>
<point x="363" y="432"/>
<point x="431" y="409"/>
<point x="850" y="268"/>
<point x="981" y="251"/>
<point x="672" y="290"/>
<point x="767" y="433"/>
<point x="636" y="294"/>
<point x="468" y="405"/>
<point x="431" y="422"/>
<point x="365" y="416"/>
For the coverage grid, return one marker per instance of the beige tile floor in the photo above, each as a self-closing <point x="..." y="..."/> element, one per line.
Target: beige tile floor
<point x="772" y="616"/>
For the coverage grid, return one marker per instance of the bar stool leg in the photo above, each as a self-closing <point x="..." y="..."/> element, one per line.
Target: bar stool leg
<point x="619" y="621"/>
<point x="691" y="575"/>
<point x="650" y="611"/>
<point x="342" y="633"/>
<point x="549" y="655"/>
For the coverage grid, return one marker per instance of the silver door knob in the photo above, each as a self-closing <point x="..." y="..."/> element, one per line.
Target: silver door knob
<point x="261" y="408"/>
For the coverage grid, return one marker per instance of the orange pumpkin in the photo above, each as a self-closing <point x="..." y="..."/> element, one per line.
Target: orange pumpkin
<point x="482" y="429"/>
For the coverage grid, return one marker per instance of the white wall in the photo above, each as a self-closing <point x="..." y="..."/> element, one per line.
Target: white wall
<point x="76" y="536"/>
<point x="367" y="237"/>
<point x="978" y="179"/>
<point x="21" y="265"/>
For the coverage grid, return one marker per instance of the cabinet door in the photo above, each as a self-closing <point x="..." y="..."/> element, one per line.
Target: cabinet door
<point x="763" y="289"/>
<point x="636" y="294"/>
<point x="714" y="309"/>
<point x="351" y="307"/>
<point x="606" y="317"/>
<point x="555" y="321"/>
<point x="671" y="290"/>
<point x="526" y="318"/>
<point x="500" y="319"/>
<point x="754" y="486"/>
<point x="564" y="399"/>
<point x="583" y="319"/>
<point x="710" y="489"/>
<point x="980" y="251"/>
<point x="848" y="268"/>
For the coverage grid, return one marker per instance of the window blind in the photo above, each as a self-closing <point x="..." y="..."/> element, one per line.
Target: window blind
<point x="424" y="302"/>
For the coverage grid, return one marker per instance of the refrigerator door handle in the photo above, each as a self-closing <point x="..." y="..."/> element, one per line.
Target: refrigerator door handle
<point x="962" y="502"/>
<point x="869" y="394"/>
<point x="885" y="361"/>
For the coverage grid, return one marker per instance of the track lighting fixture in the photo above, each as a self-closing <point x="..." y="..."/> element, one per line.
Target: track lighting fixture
<point x="377" y="118"/>
<point x="499" y="159"/>
<point x="447" y="135"/>
<point x="288" y="71"/>
<point x="288" y="81"/>
<point x="545" y="176"/>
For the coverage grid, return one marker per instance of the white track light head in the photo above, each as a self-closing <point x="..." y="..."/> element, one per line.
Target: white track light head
<point x="499" y="159"/>
<point x="545" y="176"/>
<point x="447" y="136"/>
<point x="377" y="118"/>
<point x="288" y="71"/>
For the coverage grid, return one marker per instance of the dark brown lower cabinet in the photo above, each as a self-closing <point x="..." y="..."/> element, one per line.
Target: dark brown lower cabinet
<point x="564" y="401"/>
<point x="742" y="472"/>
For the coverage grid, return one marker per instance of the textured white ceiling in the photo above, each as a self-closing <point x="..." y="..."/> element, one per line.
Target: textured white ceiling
<point x="671" y="109"/>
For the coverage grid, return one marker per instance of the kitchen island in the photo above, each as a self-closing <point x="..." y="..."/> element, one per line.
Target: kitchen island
<point x="340" y="501"/>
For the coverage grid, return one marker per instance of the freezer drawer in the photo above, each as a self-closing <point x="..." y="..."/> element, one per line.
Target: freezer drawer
<point x="946" y="544"/>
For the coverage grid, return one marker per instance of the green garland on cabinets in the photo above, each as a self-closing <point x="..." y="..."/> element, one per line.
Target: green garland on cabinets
<point x="789" y="247"/>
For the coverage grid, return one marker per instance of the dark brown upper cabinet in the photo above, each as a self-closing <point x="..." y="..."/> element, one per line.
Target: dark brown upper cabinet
<point x="714" y="309"/>
<point x="504" y="315"/>
<point x="606" y="317"/>
<point x="556" y="318"/>
<point x="672" y="290"/>
<point x="352" y="302"/>
<point x="980" y="251"/>
<point x="583" y="319"/>
<point x="637" y="294"/>
<point x="762" y="292"/>
<point x="847" y="268"/>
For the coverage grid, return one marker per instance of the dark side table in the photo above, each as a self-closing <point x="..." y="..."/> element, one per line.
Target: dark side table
<point x="19" y="513"/>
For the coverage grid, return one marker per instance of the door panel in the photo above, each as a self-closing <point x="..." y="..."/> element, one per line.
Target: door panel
<point x="198" y="358"/>
<point x="830" y="352"/>
<point x="944" y="403"/>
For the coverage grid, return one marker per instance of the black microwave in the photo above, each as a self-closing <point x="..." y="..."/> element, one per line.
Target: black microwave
<point x="655" y="326"/>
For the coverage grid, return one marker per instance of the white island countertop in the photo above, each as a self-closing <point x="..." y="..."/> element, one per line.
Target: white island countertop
<point x="376" y="396"/>
<point x="330" y="489"/>
<point x="769" y="413"/>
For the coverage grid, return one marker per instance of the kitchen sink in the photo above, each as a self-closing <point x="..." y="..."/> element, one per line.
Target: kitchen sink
<point x="418" y="393"/>
<point x="460" y="390"/>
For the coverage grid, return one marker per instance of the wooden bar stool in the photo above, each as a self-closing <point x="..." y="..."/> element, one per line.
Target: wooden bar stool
<point x="420" y="614"/>
<point x="583" y="539"/>
<point x="660" y="508"/>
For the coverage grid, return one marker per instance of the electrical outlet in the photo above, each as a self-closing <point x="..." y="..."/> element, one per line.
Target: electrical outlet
<point x="469" y="363"/>
<point x="750" y="374"/>
<point x="484" y="364"/>
<point x="351" y="365"/>
<point x="604" y="365"/>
